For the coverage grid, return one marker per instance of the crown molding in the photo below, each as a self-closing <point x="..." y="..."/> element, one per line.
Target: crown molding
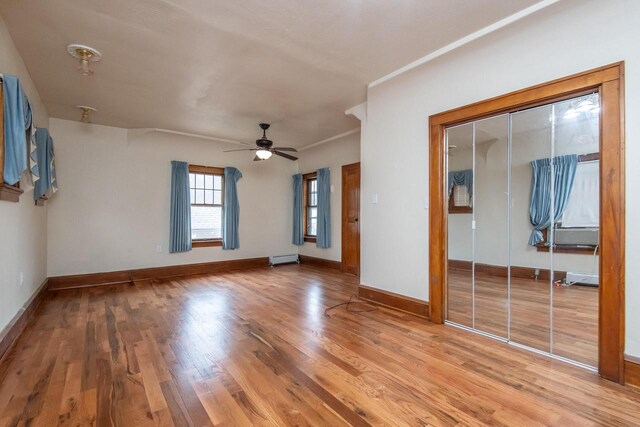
<point x="333" y="138"/>
<point x="467" y="39"/>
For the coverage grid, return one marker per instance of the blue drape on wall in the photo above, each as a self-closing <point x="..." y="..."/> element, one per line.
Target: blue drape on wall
<point x="464" y="177"/>
<point x="323" y="237"/>
<point x="564" y="171"/>
<point x="45" y="164"/>
<point x="298" y="215"/>
<point x="230" y="210"/>
<point x="180" y="233"/>
<point x="17" y="119"/>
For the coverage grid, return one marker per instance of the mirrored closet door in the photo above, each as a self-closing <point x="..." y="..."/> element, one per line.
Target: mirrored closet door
<point x="523" y="228"/>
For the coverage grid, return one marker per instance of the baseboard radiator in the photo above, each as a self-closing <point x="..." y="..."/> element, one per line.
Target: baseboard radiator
<point x="283" y="259"/>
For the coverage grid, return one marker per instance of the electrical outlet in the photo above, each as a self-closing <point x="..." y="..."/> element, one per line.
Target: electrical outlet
<point x="159" y="248"/>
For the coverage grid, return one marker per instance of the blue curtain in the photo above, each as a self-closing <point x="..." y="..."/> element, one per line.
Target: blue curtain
<point x="45" y="164"/>
<point x="464" y="177"/>
<point x="230" y="210"/>
<point x="323" y="237"/>
<point x="180" y="233"/>
<point x="298" y="215"/>
<point x="564" y="171"/>
<point x="17" y="119"/>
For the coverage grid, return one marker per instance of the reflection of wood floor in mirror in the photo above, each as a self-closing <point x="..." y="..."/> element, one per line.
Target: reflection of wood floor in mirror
<point x="575" y="312"/>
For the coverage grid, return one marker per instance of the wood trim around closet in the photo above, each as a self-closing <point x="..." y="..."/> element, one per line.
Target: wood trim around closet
<point x="609" y="82"/>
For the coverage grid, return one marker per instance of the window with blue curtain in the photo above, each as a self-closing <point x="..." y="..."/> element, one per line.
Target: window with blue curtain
<point x="46" y="182"/>
<point x="298" y="214"/>
<point x="231" y="210"/>
<point x="17" y="119"/>
<point x="323" y="236"/>
<point x="180" y="219"/>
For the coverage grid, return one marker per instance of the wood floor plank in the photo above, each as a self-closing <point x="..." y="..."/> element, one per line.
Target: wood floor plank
<point x="255" y="348"/>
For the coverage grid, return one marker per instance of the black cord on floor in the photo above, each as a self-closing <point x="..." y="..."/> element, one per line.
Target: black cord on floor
<point x="348" y="304"/>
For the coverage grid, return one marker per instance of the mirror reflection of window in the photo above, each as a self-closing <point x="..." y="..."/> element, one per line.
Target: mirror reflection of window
<point x="461" y="196"/>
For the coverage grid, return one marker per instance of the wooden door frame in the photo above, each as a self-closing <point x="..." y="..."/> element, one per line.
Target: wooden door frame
<point x="609" y="82"/>
<point x="346" y="168"/>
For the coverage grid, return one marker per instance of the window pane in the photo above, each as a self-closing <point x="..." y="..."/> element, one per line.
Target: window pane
<point x="314" y="185"/>
<point x="199" y="196"/>
<point x="460" y="195"/>
<point x="192" y="180"/>
<point x="192" y="195"/>
<point x="217" y="182"/>
<point x="199" y="181"/>
<point x="314" y="199"/>
<point x="206" y="222"/>
<point x="311" y="227"/>
<point x="208" y="196"/>
<point x="312" y="214"/>
<point x="208" y="182"/>
<point x="217" y="197"/>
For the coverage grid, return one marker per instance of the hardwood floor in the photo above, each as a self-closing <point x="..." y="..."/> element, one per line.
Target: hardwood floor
<point x="575" y="313"/>
<point x="254" y="347"/>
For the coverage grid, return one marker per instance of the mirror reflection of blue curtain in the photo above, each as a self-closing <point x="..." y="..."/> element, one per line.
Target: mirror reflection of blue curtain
<point x="180" y="219"/>
<point x="323" y="237"/>
<point x="464" y="177"/>
<point x="231" y="210"/>
<point x="298" y="218"/>
<point x="564" y="170"/>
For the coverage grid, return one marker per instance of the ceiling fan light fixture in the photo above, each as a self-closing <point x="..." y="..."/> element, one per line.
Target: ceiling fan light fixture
<point x="263" y="154"/>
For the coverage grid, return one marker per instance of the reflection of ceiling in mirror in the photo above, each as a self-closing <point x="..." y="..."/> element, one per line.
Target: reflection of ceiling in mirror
<point x="577" y="126"/>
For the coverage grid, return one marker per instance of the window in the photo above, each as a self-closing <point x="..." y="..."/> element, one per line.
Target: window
<point x="459" y="200"/>
<point x="311" y="207"/>
<point x="206" y="185"/>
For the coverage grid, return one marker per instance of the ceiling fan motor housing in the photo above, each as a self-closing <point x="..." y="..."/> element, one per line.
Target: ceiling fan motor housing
<point x="264" y="143"/>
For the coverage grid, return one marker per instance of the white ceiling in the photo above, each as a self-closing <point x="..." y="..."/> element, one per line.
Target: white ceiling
<point x="218" y="68"/>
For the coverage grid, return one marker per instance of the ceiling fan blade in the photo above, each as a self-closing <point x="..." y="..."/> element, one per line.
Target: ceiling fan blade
<point x="285" y="149"/>
<point x="241" y="149"/>
<point x="257" y="159"/>
<point x="286" y="156"/>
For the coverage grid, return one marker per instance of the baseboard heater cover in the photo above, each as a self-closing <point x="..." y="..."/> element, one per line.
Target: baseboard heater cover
<point x="582" y="278"/>
<point x="283" y="259"/>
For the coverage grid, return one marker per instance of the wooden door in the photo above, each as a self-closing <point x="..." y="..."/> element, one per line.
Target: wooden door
<point x="351" y="218"/>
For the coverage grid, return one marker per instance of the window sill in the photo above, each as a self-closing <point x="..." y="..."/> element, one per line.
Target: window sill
<point x="10" y="193"/>
<point x="568" y="249"/>
<point x="311" y="239"/>
<point x="460" y="209"/>
<point x="206" y="243"/>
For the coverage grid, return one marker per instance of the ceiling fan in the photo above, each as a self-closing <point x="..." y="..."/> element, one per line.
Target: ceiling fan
<point x="265" y="148"/>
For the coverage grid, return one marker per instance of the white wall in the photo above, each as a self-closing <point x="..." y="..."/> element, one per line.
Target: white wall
<point x="333" y="155"/>
<point x="566" y="38"/>
<point x="112" y="208"/>
<point x="23" y="226"/>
